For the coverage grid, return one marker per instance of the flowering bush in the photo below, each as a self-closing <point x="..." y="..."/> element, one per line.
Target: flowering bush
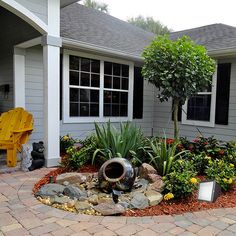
<point x="222" y="172"/>
<point x="182" y="180"/>
<point x="65" y="142"/>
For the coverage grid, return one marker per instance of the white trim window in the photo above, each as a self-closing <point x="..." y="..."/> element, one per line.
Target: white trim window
<point x="96" y="88"/>
<point x="200" y="109"/>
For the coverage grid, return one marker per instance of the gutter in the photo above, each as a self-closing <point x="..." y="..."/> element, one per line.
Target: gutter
<point x="230" y="51"/>
<point x="99" y="49"/>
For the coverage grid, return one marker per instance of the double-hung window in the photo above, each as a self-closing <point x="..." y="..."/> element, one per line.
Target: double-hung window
<point x="96" y="88"/>
<point x="200" y="109"/>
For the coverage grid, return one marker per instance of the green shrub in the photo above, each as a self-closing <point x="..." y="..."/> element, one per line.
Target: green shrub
<point x="126" y="142"/>
<point x="162" y="155"/>
<point x="78" y="157"/>
<point x="65" y="142"/>
<point x="222" y="172"/>
<point x="182" y="181"/>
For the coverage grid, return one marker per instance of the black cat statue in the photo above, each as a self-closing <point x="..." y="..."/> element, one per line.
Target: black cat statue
<point x="37" y="156"/>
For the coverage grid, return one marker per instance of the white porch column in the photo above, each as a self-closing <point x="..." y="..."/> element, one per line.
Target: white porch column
<point x="19" y="77"/>
<point x="51" y="61"/>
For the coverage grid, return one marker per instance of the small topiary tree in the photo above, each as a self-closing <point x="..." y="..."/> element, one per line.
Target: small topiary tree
<point x="179" y="69"/>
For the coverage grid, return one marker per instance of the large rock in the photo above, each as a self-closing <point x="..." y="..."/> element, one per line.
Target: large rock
<point x="139" y="201"/>
<point x="50" y="190"/>
<point x="107" y="209"/>
<point x="157" y="186"/>
<point x="74" y="192"/>
<point x="81" y="206"/>
<point x="140" y="185"/>
<point x="60" y="200"/>
<point x="71" y="178"/>
<point x="146" y="169"/>
<point x="154" y="197"/>
<point x="153" y="178"/>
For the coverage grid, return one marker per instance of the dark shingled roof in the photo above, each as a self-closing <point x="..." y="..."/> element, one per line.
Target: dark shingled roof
<point x="213" y="37"/>
<point x="94" y="27"/>
<point x="90" y="26"/>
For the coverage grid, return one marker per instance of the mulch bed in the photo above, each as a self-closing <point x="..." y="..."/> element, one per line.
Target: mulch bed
<point x="190" y="204"/>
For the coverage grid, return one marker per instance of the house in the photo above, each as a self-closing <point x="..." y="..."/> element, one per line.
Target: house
<point x="70" y="66"/>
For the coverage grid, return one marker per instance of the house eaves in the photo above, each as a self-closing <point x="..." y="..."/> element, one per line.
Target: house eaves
<point x="74" y="44"/>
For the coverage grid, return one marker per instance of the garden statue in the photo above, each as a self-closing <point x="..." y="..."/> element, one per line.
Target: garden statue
<point x="37" y="156"/>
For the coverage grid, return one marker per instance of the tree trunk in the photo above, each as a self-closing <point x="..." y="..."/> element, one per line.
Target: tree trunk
<point x="176" y="125"/>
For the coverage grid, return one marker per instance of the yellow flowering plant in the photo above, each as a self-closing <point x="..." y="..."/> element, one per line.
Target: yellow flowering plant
<point x="168" y="196"/>
<point x="222" y="172"/>
<point x="65" y="142"/>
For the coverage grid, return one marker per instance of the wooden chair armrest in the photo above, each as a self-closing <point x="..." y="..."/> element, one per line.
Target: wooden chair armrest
<point x="22" y="130"/>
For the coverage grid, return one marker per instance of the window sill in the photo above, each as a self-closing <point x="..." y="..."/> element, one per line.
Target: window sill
<point x="74" y="120"/>
<point x="198" y="123"/>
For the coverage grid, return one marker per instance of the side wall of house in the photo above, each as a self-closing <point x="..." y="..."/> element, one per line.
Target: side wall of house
<point x="34" y="89"/>
<point x="38" y="7"/>
<point x="163" y="121"/>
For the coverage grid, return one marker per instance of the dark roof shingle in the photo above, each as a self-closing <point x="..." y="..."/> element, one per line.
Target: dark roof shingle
<point x="94" y="27"/>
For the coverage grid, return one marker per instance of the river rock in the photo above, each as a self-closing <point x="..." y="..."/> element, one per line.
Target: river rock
<point x="153" y="178"/>
<point x="140" y="185"/>
<point x="50" y="190"/>
<point x="74" y="192"/>
<point x="154" y="197"/>
<point x="139" y="201"/>
<point x="60" y="200"/>
<point x="157" y="186"/>
<point x="81" y="206"/>
<point x="146" y="169"/>
<point x="107" y="209"/>
<point x="93" y="199"/>
<point x="72" y="178"/>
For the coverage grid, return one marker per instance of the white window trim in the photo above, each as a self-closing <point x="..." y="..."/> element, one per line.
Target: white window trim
<point x="211" y="122"/>
<point x="66" y="87"/>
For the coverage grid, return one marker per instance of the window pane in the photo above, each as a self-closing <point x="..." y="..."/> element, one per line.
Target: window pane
<point x="115" y="110"/>
<point x="84" y="95"/>
<point x="74" y="63"/>
<point x="123" y="110"/>
<point x="107" y="82"/>
<point x="85" y="64"/>
<point x="125" y="84"/>
<point x="116" y="69"/>
<point x="94" y="96"/>
<point x="74" y="95"/>
<point x="84" y="109"/>
<point x="74" y="109"/>
<point x="95" y="66"/>
<point x="107" y="110"/>
<point x="125" y="71"/>
<point x="74" y="78"/>
<point x="199" y="108"/>
<point x="107" y="68"/>
<point x="94" y="109"/>
<point x="85" y="79"/>
<point x="107" y="97"/>
<point x="124" y="98"/>
<point x="116" y="82"/>
<point x="95" y="80"/>
<point x="115" y="97"/>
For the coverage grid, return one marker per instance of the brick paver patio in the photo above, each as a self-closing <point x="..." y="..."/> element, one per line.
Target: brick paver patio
<point x="21" y="214"/>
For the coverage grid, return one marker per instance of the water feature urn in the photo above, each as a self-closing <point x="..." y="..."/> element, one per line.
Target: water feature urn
<point x="116" y="174"/>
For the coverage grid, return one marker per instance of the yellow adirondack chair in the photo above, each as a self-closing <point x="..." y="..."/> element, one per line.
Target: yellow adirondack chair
<point x="15" y="128"/>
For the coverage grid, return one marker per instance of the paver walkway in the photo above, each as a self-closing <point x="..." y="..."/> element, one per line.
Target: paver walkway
<point x="21" y="214"/>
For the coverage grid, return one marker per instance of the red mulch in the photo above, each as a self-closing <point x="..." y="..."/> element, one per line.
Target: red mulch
<point x="190" y="204"/>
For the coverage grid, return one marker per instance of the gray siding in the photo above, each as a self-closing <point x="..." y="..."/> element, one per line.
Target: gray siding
<point x="34" y="89"/>
<point x="162" y="117"/>
<point x="38" y="7"/>
<point x="6" y="77"/>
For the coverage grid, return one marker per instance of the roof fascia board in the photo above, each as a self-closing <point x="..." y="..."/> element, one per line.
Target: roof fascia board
<point x="98" y="49"/>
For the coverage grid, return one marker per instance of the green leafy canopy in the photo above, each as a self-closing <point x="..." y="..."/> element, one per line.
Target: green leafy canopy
<point x="179" y="69"/>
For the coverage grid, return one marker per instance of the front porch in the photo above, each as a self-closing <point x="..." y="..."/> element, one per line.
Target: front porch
<point x="29" y="68"/>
